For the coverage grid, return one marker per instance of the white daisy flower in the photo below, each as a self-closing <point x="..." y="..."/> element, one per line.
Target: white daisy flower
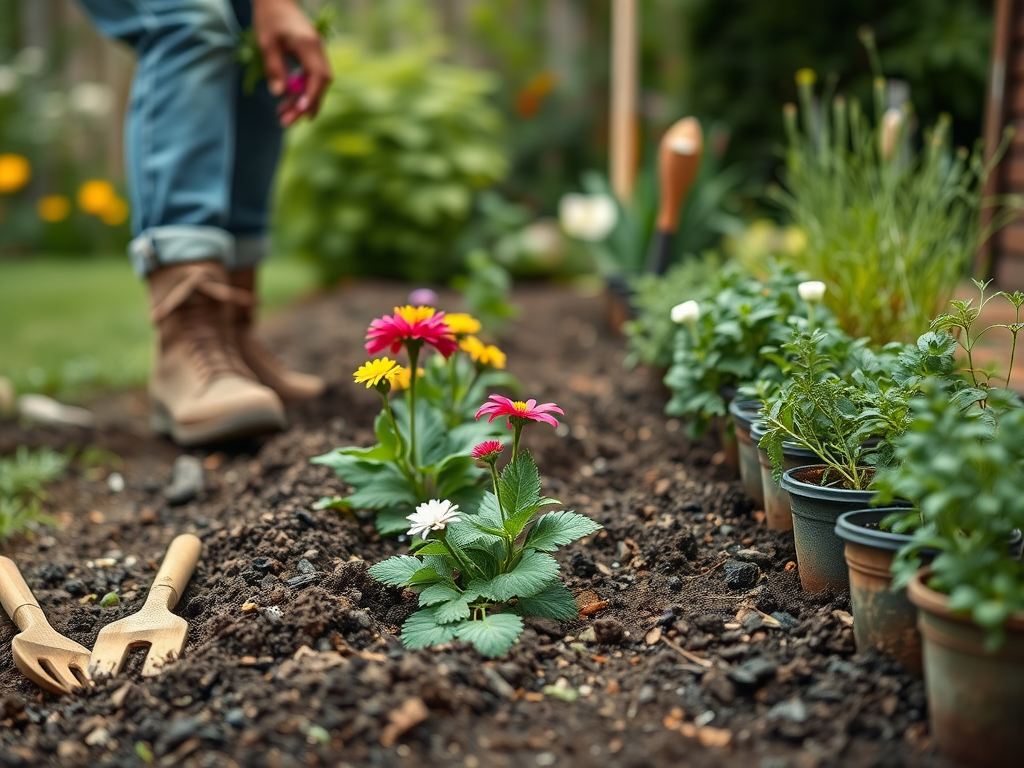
<point x="432" y="515"/>
<point x="811" y="290"/>
<point x="687" y="312"/>
<point x="587" y="217"/>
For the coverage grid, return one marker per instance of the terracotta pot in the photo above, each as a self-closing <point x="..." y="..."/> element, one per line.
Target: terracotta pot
<point x="882" y="619"/>
<point x="819" y="552"/>
<point x="975" y="698"/>
<point x="776" y="501"/>
<point x="744" y="412"/>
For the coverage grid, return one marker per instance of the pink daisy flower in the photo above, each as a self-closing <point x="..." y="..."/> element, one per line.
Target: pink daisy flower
<point x="488" y="450"/>
<point x="517" y="409"/>
<point x="422" y="324"/>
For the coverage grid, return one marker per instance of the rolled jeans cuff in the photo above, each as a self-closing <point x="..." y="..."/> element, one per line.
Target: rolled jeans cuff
<point x="250" y="250"/>
<point x="164" y="246"/>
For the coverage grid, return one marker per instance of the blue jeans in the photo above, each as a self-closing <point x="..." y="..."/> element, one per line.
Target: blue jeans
<point x="201" y="154"/>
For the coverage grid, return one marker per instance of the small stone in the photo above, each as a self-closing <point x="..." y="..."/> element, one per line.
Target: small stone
<point x="668" y="618"/>
<point x="753" y="671"/>
<point x="726" y="530"/>
<point x="188" y="479"/>
<point x="115" y="482"/>
<point x="305" y="518"/>
<point x="75" y="587"/>
<point x="741" y="575"/>
<point x="273" y="613"/>
<point x="609" y="631"/>
<point x="98" y="738"/>
<point x="305" y="566"/>
<point x="674" y="583"/>
<point x="45" y="410"/>
<point x="791" y="711"/>
<point x="236" y="718"/>
<point x="786" y="620"/>
<point x="761" y="559"/>
<point x="263" y="565"/>
<point x="301" y="581"/>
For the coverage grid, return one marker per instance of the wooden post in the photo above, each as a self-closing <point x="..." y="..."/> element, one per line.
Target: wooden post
<point x="623" y="124"/>
<point x="995" y="116"/>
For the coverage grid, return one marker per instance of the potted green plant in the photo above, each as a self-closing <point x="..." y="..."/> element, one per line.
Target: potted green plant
<point x="964" y="470"/>
<point x="884" y="617"/>
<point x="849" y="423"/>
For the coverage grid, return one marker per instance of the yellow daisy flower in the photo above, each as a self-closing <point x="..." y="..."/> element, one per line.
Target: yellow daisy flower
<point x="376" y="371"/>
<point x="53" y="208"/>
<point x="460" y="323"/>
<point x="15" y="172"/>
<point x="484" y="354"/>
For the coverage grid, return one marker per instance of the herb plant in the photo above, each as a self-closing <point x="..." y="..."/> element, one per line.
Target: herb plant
<point x="480" y="568"/>
<point x="23" y="477"/>
<point x="725" y="345"/>
<point x="849" y="422"/>
<point x="424" y="434"/>
<point x="890" y="233"/>
<point x="964" y="475"/>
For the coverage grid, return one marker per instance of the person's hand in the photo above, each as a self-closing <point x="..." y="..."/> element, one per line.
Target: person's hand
<point x="282" y="30"/>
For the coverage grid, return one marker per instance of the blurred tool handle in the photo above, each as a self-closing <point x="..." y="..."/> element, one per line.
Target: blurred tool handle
<point x="15" y="594"/>
<point x="679" y="156"/>
<point x="178" y="566"/>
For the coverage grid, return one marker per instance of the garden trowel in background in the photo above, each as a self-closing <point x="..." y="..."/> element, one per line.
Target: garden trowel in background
<point x="679" y="156"/>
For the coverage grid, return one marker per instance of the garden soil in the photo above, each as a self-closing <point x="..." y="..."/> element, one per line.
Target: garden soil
<point x="696" y="646"/>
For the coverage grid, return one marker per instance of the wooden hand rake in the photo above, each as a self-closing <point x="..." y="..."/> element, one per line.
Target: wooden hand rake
<point x="50" y="660"/>
<point x="154" y="624"/>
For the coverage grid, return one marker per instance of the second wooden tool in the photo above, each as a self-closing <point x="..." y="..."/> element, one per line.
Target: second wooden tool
<point x="154" y="624"/>
<point x="679" y="156"/>
<point x="48" y="659"/>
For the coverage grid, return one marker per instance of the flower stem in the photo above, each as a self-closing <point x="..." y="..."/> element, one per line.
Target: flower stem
<point x="517" y="431"/>
<point x="497" y="489"/>
<point x="414" y="355"/>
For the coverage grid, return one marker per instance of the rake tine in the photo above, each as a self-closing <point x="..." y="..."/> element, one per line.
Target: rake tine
<point x="108" y="656"/>
<point x="161" y="652"/>
<point x="64" y="675"/>
<point x="34" y="671"/>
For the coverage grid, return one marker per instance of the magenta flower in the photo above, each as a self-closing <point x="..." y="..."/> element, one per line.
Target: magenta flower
<point x="487" y="451"/>
<point x="295" y="83"/>
<point x="517" y="409"/>
<point x="415" y="324"/>
<point x="422" y="296"/>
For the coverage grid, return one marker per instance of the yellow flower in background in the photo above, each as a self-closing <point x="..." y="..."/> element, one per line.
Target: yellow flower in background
<point x="95" y="196"/>
<point x="402" y="378"/>
<point x="484" y="354"/>
<point x="460" y="323"/>
<point x="805" y="77"/>
<point x="15" y="172"/>
<point x="116" y="212"/>
<point x="53" y="208"/>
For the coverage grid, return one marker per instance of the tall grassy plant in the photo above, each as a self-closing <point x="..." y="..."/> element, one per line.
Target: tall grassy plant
<point x="890" y="229"/>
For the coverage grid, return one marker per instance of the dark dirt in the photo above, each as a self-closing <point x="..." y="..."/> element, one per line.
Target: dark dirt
<point x="293" y="663"/>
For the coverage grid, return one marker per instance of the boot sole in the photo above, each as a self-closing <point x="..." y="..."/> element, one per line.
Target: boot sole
<point x="228" y="427"/>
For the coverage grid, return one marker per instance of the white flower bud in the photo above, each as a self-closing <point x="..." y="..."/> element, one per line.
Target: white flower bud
<point x="587" y="217"/>
<point x="892" y="124"/>
<point x="687" y="312"/>
<point x="811" y="291"/>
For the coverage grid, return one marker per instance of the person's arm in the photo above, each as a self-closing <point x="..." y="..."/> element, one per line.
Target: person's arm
<point x="282" y="30"/>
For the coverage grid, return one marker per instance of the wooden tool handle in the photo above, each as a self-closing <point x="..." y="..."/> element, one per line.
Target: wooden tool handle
<point x="178" y="566"/>
<point x="14" y="592"/>
<point x="678" y="162"/>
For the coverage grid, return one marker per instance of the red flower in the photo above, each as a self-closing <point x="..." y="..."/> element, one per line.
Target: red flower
<point x="421" y="324"/>
<point x="487" y="451"/>
<point x="517" y="409"/>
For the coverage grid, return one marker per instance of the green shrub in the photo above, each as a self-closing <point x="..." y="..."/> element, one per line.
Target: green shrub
<point x="382" y="182"/>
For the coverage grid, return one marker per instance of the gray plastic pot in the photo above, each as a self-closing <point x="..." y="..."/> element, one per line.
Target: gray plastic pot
<point x="744" y="413"/>
<point x="816" y="508"/>
<point x="776" y="500"/>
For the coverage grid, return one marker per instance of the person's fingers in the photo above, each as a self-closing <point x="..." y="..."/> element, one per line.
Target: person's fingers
<point x="310" y="53"/>
<point x="274" y="66"/>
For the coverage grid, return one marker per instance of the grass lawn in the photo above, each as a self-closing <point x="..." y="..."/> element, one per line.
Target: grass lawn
<point x="69" y="327"/>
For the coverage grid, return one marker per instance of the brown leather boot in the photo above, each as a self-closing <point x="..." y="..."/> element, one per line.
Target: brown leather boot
<point x="201" y="390"/>
<point x="289" y="385"/>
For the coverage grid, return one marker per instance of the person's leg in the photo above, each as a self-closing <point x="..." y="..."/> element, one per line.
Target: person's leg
<point x="257" y="149"/>
<point x="180" y="149"/>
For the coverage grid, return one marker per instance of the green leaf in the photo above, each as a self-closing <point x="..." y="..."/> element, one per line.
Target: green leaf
<point x="396" y="570"/>
<point x="423" y="629"/>
<point x="556" y="529"/>
<point x="515" y="524"/>
<point x="438" y="593"/>
<point x="428" y="547"/>
<point x="392" y="521"/>
<point x="530" y="576"/>
<point x="454" y="610"/>
<point x="520" y="483"/>
<point x="492" y="635"/>
<point x="424" y="576"/>
<point x="555" y="601"/>
<point x="383" y="486"/>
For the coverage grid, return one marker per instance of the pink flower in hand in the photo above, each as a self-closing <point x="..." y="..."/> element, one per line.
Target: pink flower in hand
<point x="517" y="409"/>
<point x="296" y="82"/>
